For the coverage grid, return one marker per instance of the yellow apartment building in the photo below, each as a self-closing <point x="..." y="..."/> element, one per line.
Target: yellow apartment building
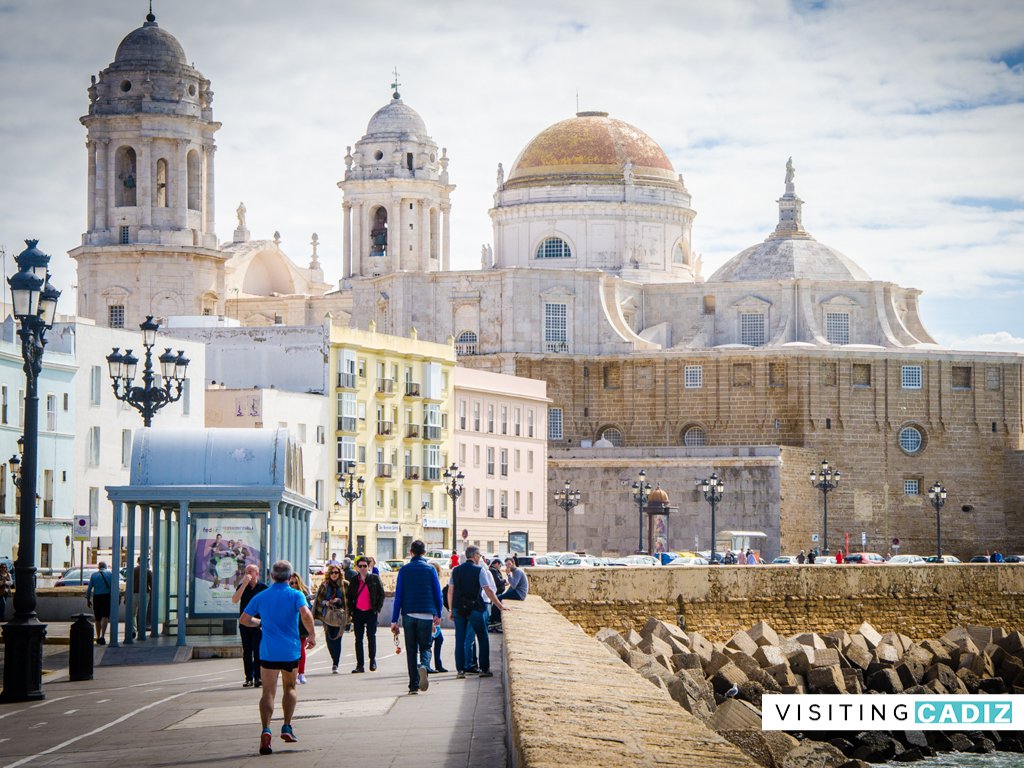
<point x="391" y="416"/>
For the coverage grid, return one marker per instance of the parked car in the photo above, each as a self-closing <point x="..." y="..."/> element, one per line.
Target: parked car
<point x="686" y="561"/>
<point x="906" y="560"/>
<point x="542" y="561"/>
<point x="317" y="567"/>
<point x="825" y="560"/>
<point x="638" y="560"/>
<point x="576" y="562"/>
<point x="947" y="559"/>
<point x="864" y="558"/>
<point x="395" y="564"/>
<point x="383" y="567"/>
<point x="980" y="559"/>
<point x="1014" y="559"/>
<point x="78" y="577"/>
<point x="785" y="560"/>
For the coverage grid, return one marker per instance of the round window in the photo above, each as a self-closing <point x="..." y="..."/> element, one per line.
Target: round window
<point x="911" y="440"/>
<point x="432" y="158"/>
<point x="126" y="85"/>
<point x="191" y="90"/>
<point x="613" y="436"/>
<point x="378" y="155"/>
<point x="695" y="436"/>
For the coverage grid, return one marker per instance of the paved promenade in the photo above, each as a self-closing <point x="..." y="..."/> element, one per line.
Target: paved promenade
<point x="196" y="713"/>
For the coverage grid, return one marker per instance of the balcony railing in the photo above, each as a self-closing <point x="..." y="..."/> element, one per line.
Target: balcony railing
<point x="413" y="431"/>
<point x="384" y="427"/>
<point x="347" y="424"/>
<point x="384" y="470"/>
<point x="412" y="472"/>
<point x="432" y="473"/>
<point x="386" y="386"/>
<point x="347" y="380"/>
<point x="412" y="389"/>
<point x="556" y="346"/>
<point x="431" y="433"/>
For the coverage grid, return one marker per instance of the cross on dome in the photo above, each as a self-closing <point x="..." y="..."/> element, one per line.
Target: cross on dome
<point x="394" y="85"/>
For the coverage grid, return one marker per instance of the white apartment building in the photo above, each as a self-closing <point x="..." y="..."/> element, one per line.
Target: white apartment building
<point x="501" y="448"/>
<point x="305" y="415"/>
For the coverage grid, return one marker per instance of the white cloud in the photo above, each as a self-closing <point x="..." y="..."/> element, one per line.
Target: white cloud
<point x="893" y="112"/>
<point x="1000" y="341"/>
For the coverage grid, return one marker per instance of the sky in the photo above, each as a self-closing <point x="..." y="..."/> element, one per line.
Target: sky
<point x="905" y="120"/>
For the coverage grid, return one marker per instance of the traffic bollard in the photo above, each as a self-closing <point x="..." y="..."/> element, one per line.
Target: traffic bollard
<point x="80" y="652"/>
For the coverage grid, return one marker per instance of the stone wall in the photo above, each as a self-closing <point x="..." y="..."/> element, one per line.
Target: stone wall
<point x="589" y="708"/>
<point x="919" y="601"/>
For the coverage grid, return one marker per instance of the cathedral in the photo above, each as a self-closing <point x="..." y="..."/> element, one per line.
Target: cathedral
<point x="788" y="354"/>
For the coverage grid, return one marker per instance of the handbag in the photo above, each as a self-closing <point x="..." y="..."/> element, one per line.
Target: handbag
<point x="334" y="616"/>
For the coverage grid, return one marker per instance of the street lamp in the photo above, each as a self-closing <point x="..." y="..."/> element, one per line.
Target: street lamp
<point x="454" y="486"/>
<point x="712" y="488"/>
<point x="825" y="481"/>
<point x="351" y="489"/>
<point x="567" y="499"/>
<point x="937" y="496"/>
<point x="641" y="490"/>
<point x="149" y="398"/>
<point x="15" y="462"/>
<point x="35" y="306"/>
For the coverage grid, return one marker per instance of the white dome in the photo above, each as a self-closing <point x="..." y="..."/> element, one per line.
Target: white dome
<point x="396" y="118"/>
<point x="789" y="259"/>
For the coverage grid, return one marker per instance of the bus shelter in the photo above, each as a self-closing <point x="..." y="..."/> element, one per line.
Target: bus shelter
<point x="202" y="504"/>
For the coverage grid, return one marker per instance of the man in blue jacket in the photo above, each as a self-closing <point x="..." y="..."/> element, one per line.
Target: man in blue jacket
<point x="418" y="600"/>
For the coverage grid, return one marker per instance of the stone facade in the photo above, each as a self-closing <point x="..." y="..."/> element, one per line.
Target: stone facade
<point x="919" y="601"/>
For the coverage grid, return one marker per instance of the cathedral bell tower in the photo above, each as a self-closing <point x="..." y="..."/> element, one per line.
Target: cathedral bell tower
<point x="396" y="208"/>
<point x="150" y="246"/>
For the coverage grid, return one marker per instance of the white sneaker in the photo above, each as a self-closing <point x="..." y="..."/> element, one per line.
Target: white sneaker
<point x="302" y="679"/>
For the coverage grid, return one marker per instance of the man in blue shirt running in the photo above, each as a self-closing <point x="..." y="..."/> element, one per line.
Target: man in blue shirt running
<point x="279" y="608"/>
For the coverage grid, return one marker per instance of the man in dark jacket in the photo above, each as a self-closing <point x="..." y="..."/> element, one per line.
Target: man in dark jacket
<point x="469" y="582"/>
<point x="365" y="599"/>
<point x="418" y="601"/>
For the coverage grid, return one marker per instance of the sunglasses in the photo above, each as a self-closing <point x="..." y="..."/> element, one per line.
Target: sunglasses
<point x="334" y="573"/>
<point x="363" y="565"/>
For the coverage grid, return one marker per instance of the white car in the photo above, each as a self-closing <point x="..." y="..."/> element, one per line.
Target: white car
<point x="638" y="560"/>
<point x="906" y="560"/>
<point x="946" y="559"/>
<point x="785" y="560"/>
<point x="683" y="561"/>
<point x="576" y="562"/>
<point x="825" y="560"/>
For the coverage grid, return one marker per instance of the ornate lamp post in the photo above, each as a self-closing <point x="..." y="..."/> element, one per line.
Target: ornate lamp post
<point x="567" y="499"/>
<point x="937" y="496"/>
<point x="641" y="490"/>
<point x="712" y="488"/>
<point x="351" y="489"/>
<point x="149" y="398"/>
<point x="454" y="486"/>
<point x="825" y="481"/>
<point x="15" y="462"/>
<point x="35" y="306"/>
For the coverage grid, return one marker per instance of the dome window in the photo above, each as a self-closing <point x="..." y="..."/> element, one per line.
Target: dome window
<point x="195" y="182"/>
<point x="378" y="155"/>
<point x="466" y="344"/>
<point x="837" y="327"/>
<point x="752" y="329"/>
<point x="126" y="85"/>
<point x="191" y="90"/>
<point x="694" y="436"/>
<point x="554" y="248"/>
<point x="379" y="233"/>
<point x="124" y="163"/>
<point x="677" y="255"/>
<point x="911" y="440"/>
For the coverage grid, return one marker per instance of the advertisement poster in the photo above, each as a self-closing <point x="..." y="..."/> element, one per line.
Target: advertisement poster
<point x="222" y="546"/>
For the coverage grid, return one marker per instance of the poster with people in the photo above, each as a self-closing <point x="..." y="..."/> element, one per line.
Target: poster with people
<point x="222" y="546"/>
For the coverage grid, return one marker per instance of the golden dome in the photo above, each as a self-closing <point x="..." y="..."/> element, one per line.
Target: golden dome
<point x="591" y="148"/>
<point x="657" y="496"/>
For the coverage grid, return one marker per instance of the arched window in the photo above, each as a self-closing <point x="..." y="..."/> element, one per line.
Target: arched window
<point x="554" y="248"/>
<point x="677" y="255"/>
<point x="162" y="195"/>
<point x="379" y="233"/>
<point x="911" y="440"/>
<point x="195" y="181"/>
<point x="695" y="436"/>
<point x="466" y="343"/>
<point x="612" y="435"/>
<point x="124" y="164"/>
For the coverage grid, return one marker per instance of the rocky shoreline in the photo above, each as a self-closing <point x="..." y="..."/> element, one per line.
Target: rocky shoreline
<point x="722" y="684"/>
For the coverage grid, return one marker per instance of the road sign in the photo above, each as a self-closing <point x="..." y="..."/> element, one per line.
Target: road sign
<point x="83" y="528"/>
<point x="814" y="537"/>
<point x="863" y="538"/>
<point x="895" y="542"/>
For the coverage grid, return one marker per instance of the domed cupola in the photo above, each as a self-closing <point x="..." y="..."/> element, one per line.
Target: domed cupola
<point x="790" y="253"/>
<point x="594" y="192"/>
<point x="397" y="195"/>
<point x="150" y="192"/>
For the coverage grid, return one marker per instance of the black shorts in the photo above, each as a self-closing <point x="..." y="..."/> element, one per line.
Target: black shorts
<point x="101" y="606"/>
<point x="284" y="666"/>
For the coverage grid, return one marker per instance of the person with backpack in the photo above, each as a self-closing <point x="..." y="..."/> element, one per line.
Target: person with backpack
<point x="469" y="582"/>
<point x="365" y="598"/>
<point x="97" y="597"/>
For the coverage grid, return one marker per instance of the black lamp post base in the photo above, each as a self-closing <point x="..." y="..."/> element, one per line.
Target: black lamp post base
<point x="23" y="660"/>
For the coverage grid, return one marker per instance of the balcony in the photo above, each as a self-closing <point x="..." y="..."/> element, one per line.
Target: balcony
<point x="431" y="433"/>
<point x="347" y="380"/>
<point x="432" y="474"/>
<point x="384" y="470"/>
<point x="412" y="472"/>
<point x="347" y="424"/>
<point x="386" y="386"/>
<point x="412" y="432"/>
<point x="385" y="427"/>
<point x="412" y="389"/>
